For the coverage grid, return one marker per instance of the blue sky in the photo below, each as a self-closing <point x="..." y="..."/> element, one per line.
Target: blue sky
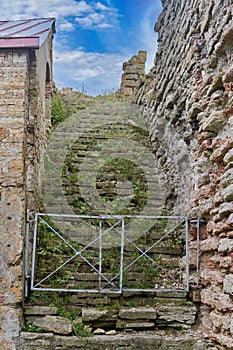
<point x="93" y="38"/>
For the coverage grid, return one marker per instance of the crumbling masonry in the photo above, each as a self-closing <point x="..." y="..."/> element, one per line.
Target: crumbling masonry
<point x="187" y="99"/>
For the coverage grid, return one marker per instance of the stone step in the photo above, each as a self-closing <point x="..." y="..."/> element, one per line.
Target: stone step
<point x="129" y="341"/>
<point x="163" y="315"/>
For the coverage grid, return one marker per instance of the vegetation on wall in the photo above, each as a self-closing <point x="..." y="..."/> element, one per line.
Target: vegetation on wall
<point x="58" y="110"/>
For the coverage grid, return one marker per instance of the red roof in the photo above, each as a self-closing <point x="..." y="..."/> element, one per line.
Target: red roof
<point x="25" y="33"/>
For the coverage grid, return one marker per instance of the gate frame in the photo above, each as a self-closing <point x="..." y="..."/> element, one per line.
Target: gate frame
<point x="33" y="218"/>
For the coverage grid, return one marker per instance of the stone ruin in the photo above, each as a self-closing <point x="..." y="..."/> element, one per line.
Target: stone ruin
<point x="134" y="74"/>
<point x="187" y="100"/>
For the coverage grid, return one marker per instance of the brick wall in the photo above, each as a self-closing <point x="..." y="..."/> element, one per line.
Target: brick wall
<point x="22" y="139"/>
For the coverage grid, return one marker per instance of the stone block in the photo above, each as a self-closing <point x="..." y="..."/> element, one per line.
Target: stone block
<point x="194" y="110"/>
<point x="142" y="313"/>
<point x="214" y="277"/>
<point x="220" y="321"/>
<point x="130" y="83"/>
<point x="131" y="77"/>
<point x="214" y="122"/>
<point x="225" y="245"/>
<point x="111" y="332"/>
<point x="99" y="331"/>
<point x="227" y="178"/>
<point x="93" y="314"/>
<point x="225" y="209"/>
<point x="176" y="295"/>
<point x="222" y="261"/>
<point x="180" y="314"/>
<point x="228" y="284"/>
<point x="217" y="84"/>
<point x="66" y="343"/>
<point x="31" y="341"/>
<point x="219" y="301"/>
<point x="209" y="244"/>
<point x="121" y="324"/>
<point x="40" y="310"/>
<point x="228" y="157"/>
<point x="221" y="147"/>
<point x="230" y="220"/>
<point x="54" y="324"/>
<point x="227" y="193"/>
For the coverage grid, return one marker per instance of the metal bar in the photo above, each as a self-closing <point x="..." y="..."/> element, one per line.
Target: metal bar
<point x="112" y="216"/>
<point x="107" y="290"/>
<point x="164" y="290"/>
<point x="122" y="252"/>
<point x="154" y="262"/>
<point x="187" y="252"/>
<point x="116" y="228"/>
<point x="75" y="290"/>
<point x="153" y="245"/>
<point x="96" y="239"/>
<point x="58" y="234"/>
<point x="26" y="257"/>
<point x="34" y="250"/>
<point x="100" y="254"/>
<point x="112" y="226"/>
<point x="198" y="251"/>
<point x="95" y="269"/>
<point x="57" y="269"/>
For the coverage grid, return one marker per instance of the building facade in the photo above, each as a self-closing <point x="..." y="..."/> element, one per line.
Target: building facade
<point x="26" y="75"/>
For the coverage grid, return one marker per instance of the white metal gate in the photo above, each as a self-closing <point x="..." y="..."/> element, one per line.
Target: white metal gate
<point x="111" y="260"/>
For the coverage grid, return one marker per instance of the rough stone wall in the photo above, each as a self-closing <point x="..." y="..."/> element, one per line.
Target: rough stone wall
<point x="38" y="123"/>
<point x="187" y="99"/>
<point x="22" y="138"/>
<point x="14" y="98"/>
<point x="134" y="74"/>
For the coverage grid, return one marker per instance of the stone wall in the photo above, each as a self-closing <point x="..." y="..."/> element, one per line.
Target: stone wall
<point x="22" y="139"/>
<point x="134" y="74"/>
<point x="187" y="100"/>
<point x="14" y="98"/>
<point x="38" y="120"/>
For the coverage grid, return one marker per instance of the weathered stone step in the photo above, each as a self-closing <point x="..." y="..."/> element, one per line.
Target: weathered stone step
<point x="165" y="315"/>
<point x="120" y="341"/>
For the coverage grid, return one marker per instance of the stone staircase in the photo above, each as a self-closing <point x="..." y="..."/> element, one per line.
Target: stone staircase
<point x="99" y="162"/>
<point x="109" y="145"/>
<point x="165" y="322"/>
<point x="101" y="143"/>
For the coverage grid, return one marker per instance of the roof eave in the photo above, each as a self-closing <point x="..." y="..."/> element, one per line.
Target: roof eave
<point x="26" y="42"/>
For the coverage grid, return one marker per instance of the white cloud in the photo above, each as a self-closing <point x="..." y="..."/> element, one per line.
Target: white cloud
<point x="92" y="16"/>
<point x="100" y="6"/>
<point x="74" y="67"/>
<point x="105" y="25"/>
<point x="100" y="18"/>
<point x="97" y="71"/>
<point x="66" y="26"/>
<point x="21" y="9"/>
<point x="91" y="21"/>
